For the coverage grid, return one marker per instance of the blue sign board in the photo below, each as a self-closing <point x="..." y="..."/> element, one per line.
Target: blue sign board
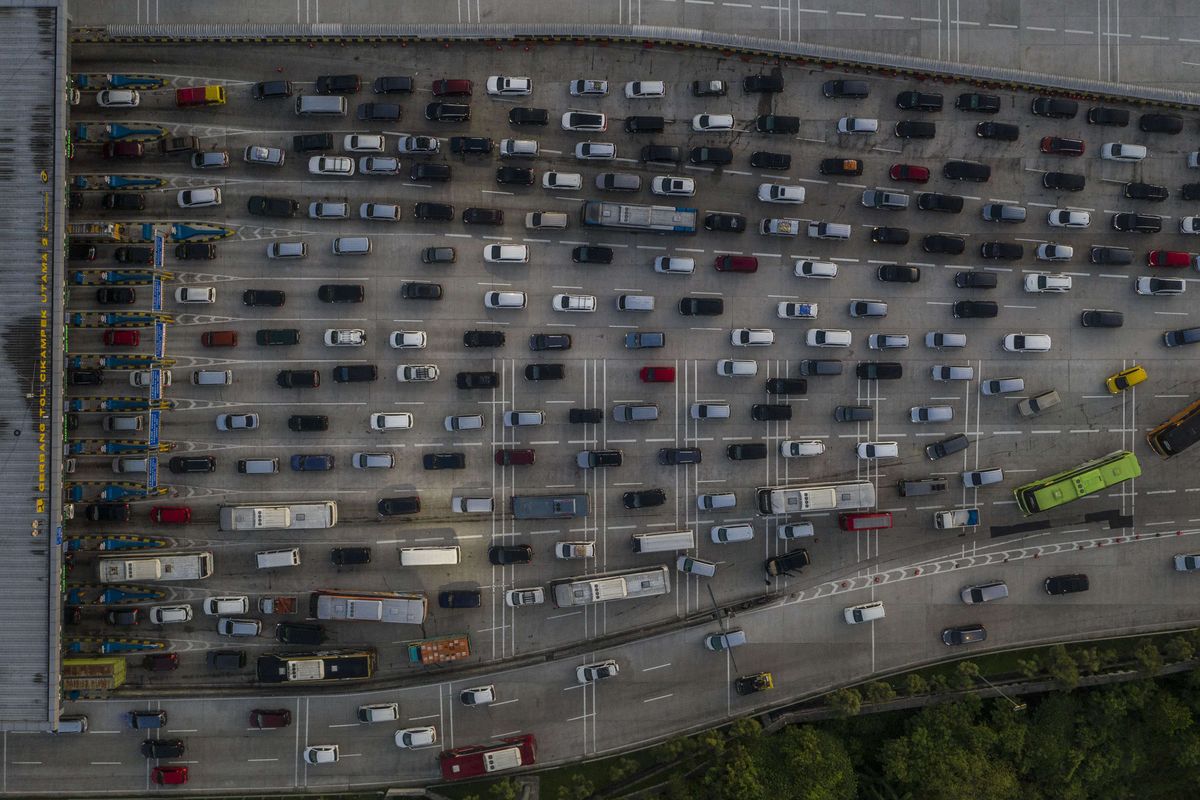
<point x="156" y="295"/>
<point x="154" y="418"/>
<point x="155" y="384"/>
<point x="159" y="247"/>
<point x="152" y="473"/>
<point x="160" y="340"/>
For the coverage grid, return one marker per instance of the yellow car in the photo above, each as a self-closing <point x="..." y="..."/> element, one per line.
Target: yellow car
<point x="1124" y="379"/>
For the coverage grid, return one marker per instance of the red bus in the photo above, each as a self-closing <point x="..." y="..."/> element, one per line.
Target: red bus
<point x="483" y="759"/>
<point x="866" y="521"/>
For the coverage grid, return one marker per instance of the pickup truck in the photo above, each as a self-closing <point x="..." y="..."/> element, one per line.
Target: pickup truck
<point x="961" y="518"/>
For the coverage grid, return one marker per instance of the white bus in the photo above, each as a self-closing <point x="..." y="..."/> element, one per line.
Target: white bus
<point x="630" y="585"/>
<point x="296" y="516"/>
<point x="394" y="607"/>
<point x="820" y="497"/>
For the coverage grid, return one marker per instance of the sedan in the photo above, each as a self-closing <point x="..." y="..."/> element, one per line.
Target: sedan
<point x="780" y="193"/>
<point x="237" y="422"/>
<point x="433" y="461"/>
<point x="407" y="738"/>
<point x="199" y="198"/>
<point x="519" y="176"/>
<point x="1057" y="145"/>
<point x="712" y="122"/>
<point x="671" y="186"/>
<point x="644" y="89"/>
<point x="1064" y="218"/>
<point x="163" y="748"/>
<point x="909" y="173"/>
<point x="657" y="374"/>
<point x="728" y="223"/>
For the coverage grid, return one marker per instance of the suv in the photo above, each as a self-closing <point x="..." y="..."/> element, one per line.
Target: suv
<point x="967" y="171"/>
<point x="441" y="212"/>
<point x="975" y="280"/>
<point x="1146" y="191"/>
<point x="919" y="101"/>
<point x="1000" y="131"/>
<point x="308" y="142"/>
<point x="934" y="201"/>
<point x="764" y="159"/>
<point x="1066" y="584"/>
<point x="1064" y="181"/>
<point x="1055" y="107"/>
<point x="1136" y="223"/>
<point x="981" y="103"/>
<point x="946" y="447"/>
<point x="308" y="423"/>
<point x="485" y="338"/>
<point x="281" y="207"/>
<point x="501" y="555"/>
<point x="840" y="166"/>
<point x="355" y="373"/>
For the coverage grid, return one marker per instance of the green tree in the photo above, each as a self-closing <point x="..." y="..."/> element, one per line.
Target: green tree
<point x="1030" y="667"/>
<point x="504" y="789"/>
<point x="1147" y="656"/>
<point x="734" y="777"/>
<point x="673" y="749"/>
<point x="845" y="701"/>
<point x="1061" y="667"/>
<point x="621" y="769"/>
<point x="580" y="788"/>
<point x="966" y="675"/>
<point x="878" y="692"/>
<point x="802" y="750"/>
<point x="1179" y="648"/>
<point x="678" y="788"/>
<point x="915" y="684"/>
<point x="744" y="728"/>
<point x="939" y="683"/>
<point x="1087" y="659"/>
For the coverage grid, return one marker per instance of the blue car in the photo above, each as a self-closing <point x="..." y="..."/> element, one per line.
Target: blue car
<point x="312" y="463"/>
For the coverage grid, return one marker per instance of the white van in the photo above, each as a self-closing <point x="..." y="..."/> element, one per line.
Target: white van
<point x="428" y="556"/>
<point x="123" y="422"/>
<point x="270" y="559"/>
<point x="695" y="566"/>
<point x="72" y="723"/>
<point x="471" y="505"/>
<point x="635" y="302"/>
<point x="287" y="250"/>
<point x="212" y="377"/>
<point x="325" y="105"/>
<point x="828" y="230"/>
<point x="258" y="466"/>
<point x="379" y="712"/>
<point x="351" y="246"/>
<point x="506" y="254"/>
<point x="662" y="542"/>
<point x="130" y="464"/>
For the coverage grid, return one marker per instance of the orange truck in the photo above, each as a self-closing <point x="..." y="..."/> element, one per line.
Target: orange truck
<point x="439" y="650"/>
<point x="200" y="96"/>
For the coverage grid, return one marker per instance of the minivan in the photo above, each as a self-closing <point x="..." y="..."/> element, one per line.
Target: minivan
<point x="212" y="377"/>
<point x="506" y="254"/>
<point x="635" y="412"/>
<point x="695" y="566"/>
<point x="123" y="422"/>
<point x="538" y="220"/>
<point x="287" y="250"/>
<point x="635" y="302"/>
<point x="325" y="105"/>
<point x="351" y="246"/>
<point x="72" y="723"/>
<point x="258" y="466"/>
<point x="828" y="230"/>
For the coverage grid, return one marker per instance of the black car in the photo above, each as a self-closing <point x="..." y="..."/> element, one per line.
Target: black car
<point x="974" y="309"/>
<point x="896" y="273"/>
<point x="701" y="306"/>
<point x="585" y="416"/>
<point x="777" y="123"/>
<point x="440" y="212"/>
<point x="765" y="159"/>
<point x="477" y="380"/>
<point x="971" y="279"/>
<point x="528" y="116"/>
<point x="338" y="84"/>
<point x="966" y="171"/>
<point x="675" y="456"/>
<point x="134" y="255"/>
<point x="709" y="88"/>
<point x="510" y="554"/>
<point x="946" y="447"/>
<point x="1064" y="181"/>
<point x="483" y="216"/>
<point x="854" y="89"/>
<point x="769" y="412"/>
<point x="263" y="297"/>
<point x="459" y="598"/>
<point x="438" y="255"/>
<point x="476" y="145"/>
<point x="729" y="223"/>
<point x="913" y="100"/>
<point x="444" y="461"/>
<point x="181" y="465"/>
<point x="341" y="293"/>
<point x="592" y="254"/>
<point x="308" y="423"/>
<point x="81" y="252"/>
<point x="271" y="90"/>
<point x="424" y="171"/>
<point x="840" y="166"/>
<point x="762" y="83"/>
<point x="225" y="660"/>
<point x="486" y="338"/>
<point x="1146" y="191"/>
<point x="350" y="556"/>
<point x="1116" y="256"/>
<point x="298" y="379"/>
<point x="163" y="748"/>
<point x="544" y="372"/>
<point x="420" y="290"/>
<point x="751" y="451"/>
<point x="974" y="101"/>
<point x="355" y="373"/>
<point x="942" y="243"/>
<point x="820" y="366"/>
<point x="550" y="341"/>
<point x="887" y="235"/>
<point x="394" y="506"/>
<point x="299" y="633"/>
<point x="85" y="377"/>
<point x="447" y="112"/>
<point x="195" y="251"/>
<point x="879" y="370"/>
<point x="1136" y="223"/>
<point x="718" y="156"/>
<point x="1009" y="251"/>
<point x="308" y="142"/>
<point x="1100" y="115"/>
<point x="115" y="296"/>
<point x="378" y="112"/>
<point x="124" y="201"/>
<point x="646" y="124"/>
<point x="1000" y="131"/>
<point x="281" y="207"/>
<point x="108" y="512"/>
<point x="787" y="386"/>
<point x="661" y="154"/>
<point x="1055" y="107"/>
<point x="392" y="84"/>
<point x="270" y="337"/>
<point x="915" y="129"/>
<point x="934" y="201"/>
<point x="1066" y="584"/>
<point x="1161" y="123"/>
<point x="514" y="175"/>
<point x="1101" y="318"/>
<point x="647" y="498"/>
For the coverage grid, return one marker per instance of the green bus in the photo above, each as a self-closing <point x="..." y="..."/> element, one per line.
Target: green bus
<point x="1078" y="481"/>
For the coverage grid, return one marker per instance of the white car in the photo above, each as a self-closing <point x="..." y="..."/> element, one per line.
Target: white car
<point x="728" y="534"/>
<point x="714" y="502"/>
<point x="372" y="460"/>
<point x="210" y="159"/>
<point x="321" y="754"/>
<point x="752" y="337"/>
<point x="195" y="294"/>
<point x="257" y="154"/>
<point x="709" y="411"/>
<point x="199" y="198"/>
<point x="1047" y="283"/>
<point x="872" y="450"/>
<point x="165" y="615"/>
<point x="220" y="606"/>
<point x="463" y="422"/>
<point x="337" y="166"/>
<point x="522" y="419"/>
<point x="991" y="386"/>
<point x="1115" y="151"/>
<point x="391" y="421"/>
<point x="675" y="265"/>
<point x="345" y="337"/>
<point x="737" y="368"/>
<point x="506" y="253"/>
<point x="815" y="269"/>
<point x="798" y="448"/>
<point x="1026" y="343"/>
<point x="1065" y="218"/>
<point x="504" y="86"/>
<point x="533" y="596"/>
<point x="780" y="193"/>
<point x="141" y="377"/>
<point x="379" y="165"/>
<point x="867" y="612"/>
<point x="1189" y="225"/>
<point x="712" y="122"/>
<point x="672" y="186"/>
<point x="415" y="737"/>
<point x="364" y="143"/>
<point x="937" y="340"/>
<point x="573" y="302"/>
<point x="237" y="422"/>
<point x="828" y="337"/>
<point x="1049" y="251"/>
<point x="478" y="695"/>
<point x="645" y="89"/>
<point x="598" y="671"/>
<point x="792" y="310"/>
<point x="951" y="372"/>
<point x="887" y="341"/>
<point x="408" y="143"/>
<point x="1148" y="285"/>
<point x="982" y="477"/>
<point x="595" y="151"/>
<point x="406" y="340"/>
<point x="563" y="181"/>
<point x="324" y="209"/>
<point x="584" y="121"/>
<point x="417" y="373"/>
<point x="587" y="87"/>
<point x="232" y="626"/>
<point x="504" y="299"/>
<point x="118" y="98"/>
<point x="379" y="212"/>
<point x="795" y="530"/>
<point x="857" y="125"/>
<point x="921" y="414"/>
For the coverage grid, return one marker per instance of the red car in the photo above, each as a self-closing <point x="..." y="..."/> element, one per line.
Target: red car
<point x="1168" y="258"/>
<point x="909" y="172"/>
<point x="124" y="337"/>
<point x="736" y="264"/>
<point x="1057" y="145"/>
<point x="506" y="457"/>
<point x="277" y="718"/>
<point x="657" y="374"/>
<point x="122" y="150"/>
<point x="171" y="515"/>
<point x="169" y="776"/>
<point x="449" y="87"/>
